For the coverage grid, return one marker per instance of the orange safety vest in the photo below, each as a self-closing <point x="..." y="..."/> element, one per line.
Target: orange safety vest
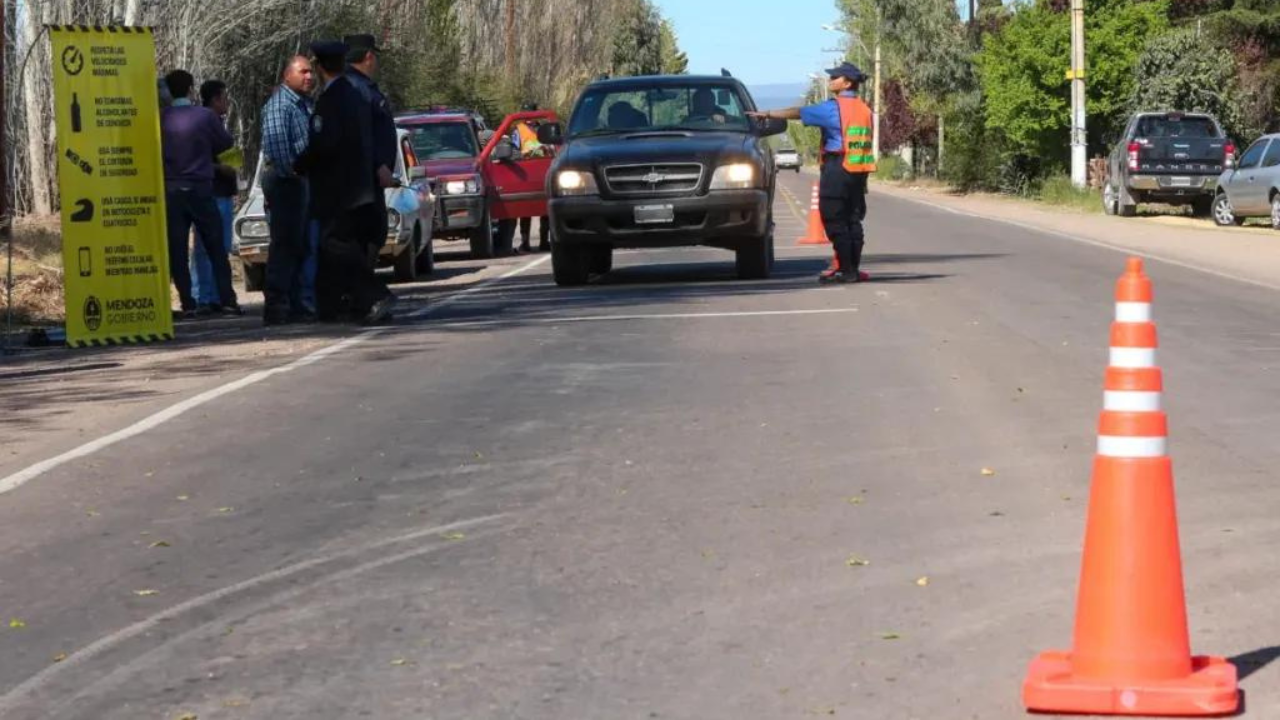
<point x="855" y="131"/>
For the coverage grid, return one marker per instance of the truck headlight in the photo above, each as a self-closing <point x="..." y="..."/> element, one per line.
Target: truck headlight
<point x="574" y="182"/>
<point x="738" y="176"/>
<point x="461" y="187"/>
<point x="253" y="229"/>
<point x="393" y="220"/>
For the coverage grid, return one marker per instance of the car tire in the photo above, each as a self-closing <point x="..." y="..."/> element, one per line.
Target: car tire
<point x="601" y="259"/>
<point x="1110" y="203"/>
<point x="1202" y="207"/>
<point x="1223" y="214"/>
<point x="570" y="264"/>
<point x="255" y="277"/>
<point x="1275" y="211"/>
<point x="482" y="239"/>
<point x="752" y="258"/>
<point x="1126" y="204"/>
<point x="427" y="258"/>
<point x="504" y="241"/>
<point x="406" y="262"/>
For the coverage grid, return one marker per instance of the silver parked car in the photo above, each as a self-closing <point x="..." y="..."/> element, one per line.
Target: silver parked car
<point x="410" y="210"/>
<point x="787" y="159"/>
<point x="1252" y="187"/>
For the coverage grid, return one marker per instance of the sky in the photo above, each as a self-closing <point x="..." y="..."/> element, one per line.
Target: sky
<point x="762" y="42"/>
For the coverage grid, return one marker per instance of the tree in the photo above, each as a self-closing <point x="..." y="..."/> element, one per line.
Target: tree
<point x="1177" y="72"/>
<point x="672" y="60"/>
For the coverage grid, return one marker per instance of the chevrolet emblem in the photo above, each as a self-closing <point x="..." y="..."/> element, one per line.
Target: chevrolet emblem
<point x="653" y="178"/>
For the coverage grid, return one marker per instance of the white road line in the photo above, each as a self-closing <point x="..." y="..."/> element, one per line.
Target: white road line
<point x="11" y="698"/>
<point x="157" y="419"/>
<point x="655" y="316"/>
<point x="1087" y="241"/>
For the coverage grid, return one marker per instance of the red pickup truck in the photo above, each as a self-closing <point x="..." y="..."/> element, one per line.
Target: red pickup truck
<point x="478" y="184"/>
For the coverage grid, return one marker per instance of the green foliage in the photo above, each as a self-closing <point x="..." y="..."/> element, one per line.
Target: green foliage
<point x="806" y="140"/>
<point x="646" y="44"/>
<point x="892" y="167"/>
<point x="1116" y="33"/>
<point x="1178" y="72"/>
<point x="973" y="154"/>
<point x="1059" y="190"/>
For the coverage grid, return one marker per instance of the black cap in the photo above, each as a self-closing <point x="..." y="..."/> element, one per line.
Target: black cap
<point x="328" y="49"/>
<point x="358" y="45"/>
<point x="847" y="70"/>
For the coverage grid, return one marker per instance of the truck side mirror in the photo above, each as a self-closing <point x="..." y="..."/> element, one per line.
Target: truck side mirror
<point x="551" y="134"/>
<point x="504" y="151"/>
<point x="766" y="127"/>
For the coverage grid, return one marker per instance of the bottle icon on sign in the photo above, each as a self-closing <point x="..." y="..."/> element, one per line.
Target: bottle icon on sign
<point x="86" y="262"/>
<point x="75" y="112"/>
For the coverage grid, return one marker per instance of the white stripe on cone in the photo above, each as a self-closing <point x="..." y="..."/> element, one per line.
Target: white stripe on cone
<point x="1123" y="357"/>
<point x="1132" y="447"/>
<point x="1133" y="312"/>
<point x="1131" y="401"/>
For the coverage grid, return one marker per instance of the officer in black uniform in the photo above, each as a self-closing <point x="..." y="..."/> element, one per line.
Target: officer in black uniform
<point x="362" y="70"/>
<point x="339" y="162"/>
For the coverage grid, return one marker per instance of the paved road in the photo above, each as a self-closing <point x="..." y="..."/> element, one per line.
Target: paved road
<point x="639" y="499"/>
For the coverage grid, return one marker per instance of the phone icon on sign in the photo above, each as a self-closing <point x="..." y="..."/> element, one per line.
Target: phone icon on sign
<point x="86" y="262"/>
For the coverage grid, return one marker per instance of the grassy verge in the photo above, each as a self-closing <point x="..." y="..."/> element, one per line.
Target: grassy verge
<point x="37" y="272"/>
<point x="1060" y="192"/>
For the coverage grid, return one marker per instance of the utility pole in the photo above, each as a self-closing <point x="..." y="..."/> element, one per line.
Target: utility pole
<point x="1079" y="135"/>
<point x="879" y="95"/>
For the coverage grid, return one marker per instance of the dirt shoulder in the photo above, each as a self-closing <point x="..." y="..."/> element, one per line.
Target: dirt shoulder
<point x="1251" y="254"/>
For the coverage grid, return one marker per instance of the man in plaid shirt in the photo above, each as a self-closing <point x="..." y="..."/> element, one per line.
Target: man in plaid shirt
<point x="286" y="130"/>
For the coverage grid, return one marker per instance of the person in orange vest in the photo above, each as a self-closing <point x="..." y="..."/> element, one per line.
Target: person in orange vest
<point x="847" y="161"/>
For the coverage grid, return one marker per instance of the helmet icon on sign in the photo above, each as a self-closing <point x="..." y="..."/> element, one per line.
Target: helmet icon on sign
<point x="92" y="314"/>
<point x="72" y="60"/>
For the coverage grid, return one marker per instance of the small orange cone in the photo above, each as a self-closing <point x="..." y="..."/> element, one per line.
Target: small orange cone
<point x="817" y="234"/>
<point x="1131" y="654"/>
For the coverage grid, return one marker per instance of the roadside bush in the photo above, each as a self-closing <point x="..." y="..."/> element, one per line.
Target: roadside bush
<point x="892" y="167"/>
<point x="1058" y="190"/>
<point x="1178" y="72"/>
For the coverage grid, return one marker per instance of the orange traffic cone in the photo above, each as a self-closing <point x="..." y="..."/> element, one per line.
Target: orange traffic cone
<point x="817" y="234"/>
<point x="1131" y="654"/>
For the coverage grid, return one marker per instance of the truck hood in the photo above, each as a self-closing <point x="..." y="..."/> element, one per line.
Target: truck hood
<point x="708" y="148"/>
<point x="438" y="168"/>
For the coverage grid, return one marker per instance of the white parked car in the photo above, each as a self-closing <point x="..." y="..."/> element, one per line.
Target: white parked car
<point x="787" y="159"/>
<point x="410" y="211"/>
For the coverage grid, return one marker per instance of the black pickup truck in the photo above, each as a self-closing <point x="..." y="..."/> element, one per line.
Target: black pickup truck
<point x="661" y="161"/>
<point x="1166" y="157"/>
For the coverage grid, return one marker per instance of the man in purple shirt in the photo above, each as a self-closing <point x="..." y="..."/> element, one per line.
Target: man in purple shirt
<point x="191" y="137"/>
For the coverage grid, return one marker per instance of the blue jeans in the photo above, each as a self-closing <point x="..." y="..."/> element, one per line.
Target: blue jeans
<point x="203" y="287"/>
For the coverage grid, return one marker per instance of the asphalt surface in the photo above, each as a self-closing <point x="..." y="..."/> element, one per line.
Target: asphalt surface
<point x="652" y="498"/>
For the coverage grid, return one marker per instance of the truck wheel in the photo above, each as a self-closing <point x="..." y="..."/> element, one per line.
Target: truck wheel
<point x="406" y="263"/>
<point x="255" y="277"/>
<point x="753" y="258"/>
<point x="570" y="264"/>
<point x="1126" y="204"/>
<point x="482" y="239"/>
<point x="601" y="259"/>
<point x="427" y="258"/>
<point x="504" y="241"/>
<point x="1275" y="212"/>
<point x="1202" y="207"/>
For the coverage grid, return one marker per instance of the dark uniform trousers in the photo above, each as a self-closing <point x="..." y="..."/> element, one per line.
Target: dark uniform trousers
<point x="287" y="254"/>
<point x="343" y="272"/>
<point x="842" y="203"/>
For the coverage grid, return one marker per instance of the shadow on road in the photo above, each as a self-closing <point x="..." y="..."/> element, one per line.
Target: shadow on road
<point x="1251" y="662"/>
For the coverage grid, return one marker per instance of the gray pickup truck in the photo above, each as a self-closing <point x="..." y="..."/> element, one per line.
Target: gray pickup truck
<point x="1166" y="157"/>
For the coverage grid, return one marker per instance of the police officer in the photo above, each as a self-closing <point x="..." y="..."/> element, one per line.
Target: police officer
<point x="362" y="70"/>
<point x="847" y="161"/>
<point x="339" y="162"/>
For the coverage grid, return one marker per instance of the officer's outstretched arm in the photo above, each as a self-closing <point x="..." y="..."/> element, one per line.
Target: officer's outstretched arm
<point x="788" y="114"/>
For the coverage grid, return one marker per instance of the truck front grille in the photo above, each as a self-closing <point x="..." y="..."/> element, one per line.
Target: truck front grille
<point x="660" y="179"/>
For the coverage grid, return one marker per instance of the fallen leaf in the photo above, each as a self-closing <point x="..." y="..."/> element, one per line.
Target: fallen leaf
<point x="188" y="716"/>
<point x="151" y="474"/>
<point x="988" y="472"/>
<point x="16" y="624"/>
<point x="855" y="561"/>
<point x="479" y="456"/>
<point x="146" y="593"/>
<point x="160" y="544"/>
<point x="995" y="513"/>
<point x="225" y="510"/>
<point x="145" y="533"/>
<point x="890" y="636"/>
<point x="1066" y="498"/>
<point x="59" y="657"/>
<point x="234" y="703"/>
<point x="454" y="536"/>
<point x="923" y="582"/>
<point x="92" y="513"/>
<point x="399" y="662"/>
<point x="855" y="500"/>
<point x="184" y="498"/>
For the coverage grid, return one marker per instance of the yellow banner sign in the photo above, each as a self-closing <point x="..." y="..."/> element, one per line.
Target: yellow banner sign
<point x="111" y="179"/>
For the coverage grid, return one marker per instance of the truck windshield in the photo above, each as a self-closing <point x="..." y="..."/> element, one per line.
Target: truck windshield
<point x="443" y="141"/>
<point x="1176" y="126"/>
<point x="700" y="107"/>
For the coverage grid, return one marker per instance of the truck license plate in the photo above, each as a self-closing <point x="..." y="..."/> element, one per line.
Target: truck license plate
<point x="1181" y="181"/>
<point x="655" y="214"/>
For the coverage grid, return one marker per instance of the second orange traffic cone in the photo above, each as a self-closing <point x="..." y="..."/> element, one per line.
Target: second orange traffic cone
<point x="1131" y="654"/>
<point x="817" y="233"/>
